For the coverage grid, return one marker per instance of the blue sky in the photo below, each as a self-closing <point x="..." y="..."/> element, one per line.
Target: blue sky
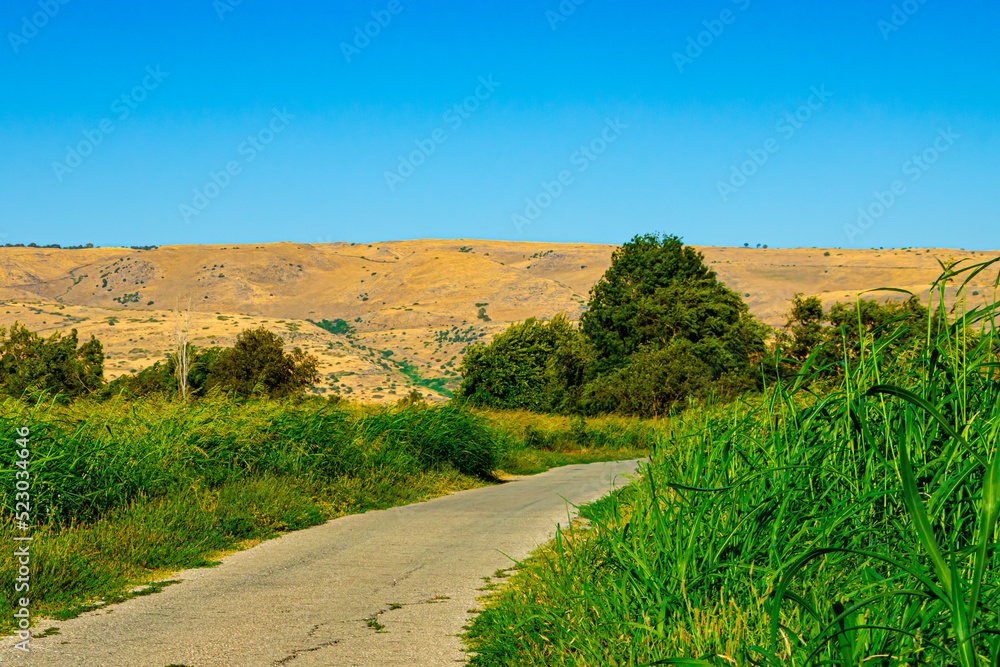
<point x="259" y="121"/>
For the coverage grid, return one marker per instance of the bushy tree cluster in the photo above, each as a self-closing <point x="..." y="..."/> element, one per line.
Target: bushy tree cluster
<point x="827" y="337"/>
<point x="257" y="364"/>
<point x="59" y="365"/>
<point x="531" y="366"/>
<point x="659" y="328"/>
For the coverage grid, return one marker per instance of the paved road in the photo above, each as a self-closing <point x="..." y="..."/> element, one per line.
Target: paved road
<point x="304" y="599"/>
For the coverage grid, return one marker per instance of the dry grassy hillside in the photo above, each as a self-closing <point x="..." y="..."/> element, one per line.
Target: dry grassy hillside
<point x="414" y="305"/>
<point x="767" y="279"/>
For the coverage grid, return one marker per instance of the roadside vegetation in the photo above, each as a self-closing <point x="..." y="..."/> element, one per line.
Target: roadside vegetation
<point x="846" y="515"/>
<point x="823" y="495"/>
<point x="125" y="491"/>
<point x="134" y="479"/>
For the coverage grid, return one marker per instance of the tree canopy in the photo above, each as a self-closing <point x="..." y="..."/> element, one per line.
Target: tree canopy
<point x="59" y="364"/>
<point x="659" y="327"/>
<point x="258" y="363"/>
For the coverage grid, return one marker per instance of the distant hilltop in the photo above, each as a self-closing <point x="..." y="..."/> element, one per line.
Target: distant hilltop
<point x="385" y="318"/>
<point x="382" y="282"/>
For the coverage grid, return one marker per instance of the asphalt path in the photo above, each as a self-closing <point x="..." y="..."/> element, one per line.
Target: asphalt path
<point x="314" y="597"/>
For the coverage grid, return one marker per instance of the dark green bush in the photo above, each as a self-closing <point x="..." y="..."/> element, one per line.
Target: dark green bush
<point x="59" y="365"/>
<point x="520" y="368"/>
<point x="258" y="364"/>
<point x="659" y="329"/>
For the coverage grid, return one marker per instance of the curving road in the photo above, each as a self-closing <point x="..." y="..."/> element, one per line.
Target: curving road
<point x="306" y="598"/>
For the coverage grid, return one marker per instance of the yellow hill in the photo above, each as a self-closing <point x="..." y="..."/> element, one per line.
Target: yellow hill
<point x="414" y="305"/>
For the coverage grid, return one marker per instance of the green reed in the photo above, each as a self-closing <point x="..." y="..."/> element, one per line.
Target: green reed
<point x="851" y="526"/>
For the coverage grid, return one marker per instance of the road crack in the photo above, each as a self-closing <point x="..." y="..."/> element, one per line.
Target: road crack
<point x="294" y="654"/>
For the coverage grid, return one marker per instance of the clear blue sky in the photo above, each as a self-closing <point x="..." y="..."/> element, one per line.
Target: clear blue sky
<point x="313" y="131"/>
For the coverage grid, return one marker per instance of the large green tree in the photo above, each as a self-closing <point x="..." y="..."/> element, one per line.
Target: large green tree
<point x="630" y="294"/>
<point x="659" y="328"/>
<point x="59" y="364"/>
<point x="657" y="294"/>
<point x="258" y="364"/>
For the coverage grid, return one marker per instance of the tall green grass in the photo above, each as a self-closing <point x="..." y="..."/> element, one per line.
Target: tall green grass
<point x="125" y="492"/>
<point x="87" y="458"/>
<point x="854" y="527"/>
<point x="536" y="442"/>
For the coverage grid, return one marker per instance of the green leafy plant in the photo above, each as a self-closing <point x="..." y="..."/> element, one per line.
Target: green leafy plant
<point x="857" y="526"/>
<point x="59" y="365"/>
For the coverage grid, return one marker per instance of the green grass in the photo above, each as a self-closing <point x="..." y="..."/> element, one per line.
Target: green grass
<point x="338" y="326"/>
<point x="125" y="493"/>
<point x="412" y="373"/>
<point x="536" y="443"/>
<point x="854" y="527"/>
